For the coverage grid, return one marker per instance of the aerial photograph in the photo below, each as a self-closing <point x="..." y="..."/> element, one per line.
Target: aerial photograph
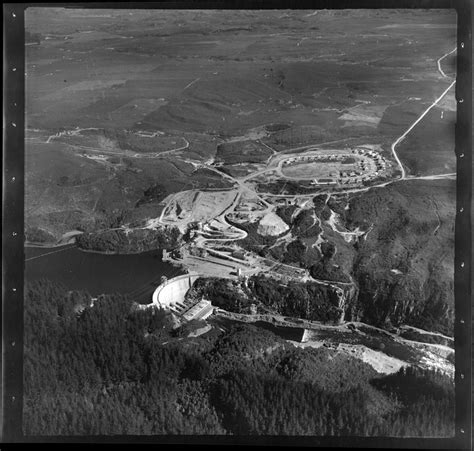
<point x="239" y="222"/>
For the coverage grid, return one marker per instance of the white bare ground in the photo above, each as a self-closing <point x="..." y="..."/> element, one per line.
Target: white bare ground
<point x="271" y="224"/>
<point x="380" y="362"/>
<point x="433" y="361"/>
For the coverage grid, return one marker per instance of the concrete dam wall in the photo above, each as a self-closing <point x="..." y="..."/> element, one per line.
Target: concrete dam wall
<point x="173" y="290"/>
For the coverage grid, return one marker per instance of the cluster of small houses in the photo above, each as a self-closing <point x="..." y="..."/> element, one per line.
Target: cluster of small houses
<point x="370" y="167"/>
<point x="376" y="164"/>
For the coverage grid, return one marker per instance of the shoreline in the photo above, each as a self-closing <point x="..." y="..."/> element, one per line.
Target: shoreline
<point x="66" y="239"/>
<point x="73" y="245"/>
<point x="48" y="245"/>
<point x="92" y="251"/>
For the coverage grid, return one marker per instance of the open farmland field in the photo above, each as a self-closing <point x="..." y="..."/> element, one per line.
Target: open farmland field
<point x="226" y="75"/>
<point x="430" y="148"/>
<point x="242" y="152"/>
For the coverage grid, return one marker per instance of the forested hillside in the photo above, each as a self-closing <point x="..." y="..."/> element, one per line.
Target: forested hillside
<point x="134" y="241"/>
<point x="113" y="369"/>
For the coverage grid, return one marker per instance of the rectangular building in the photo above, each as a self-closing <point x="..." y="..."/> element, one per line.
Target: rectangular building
<point x="201" y="310"/>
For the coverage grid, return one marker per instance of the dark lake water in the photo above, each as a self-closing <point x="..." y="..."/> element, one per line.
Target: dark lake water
<point x="137" y="274"/>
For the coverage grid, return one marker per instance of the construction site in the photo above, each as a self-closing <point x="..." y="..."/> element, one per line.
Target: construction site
<point x="216" y="222"/>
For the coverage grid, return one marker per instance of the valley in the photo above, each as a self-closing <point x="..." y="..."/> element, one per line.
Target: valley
<point x="299" y="166"/>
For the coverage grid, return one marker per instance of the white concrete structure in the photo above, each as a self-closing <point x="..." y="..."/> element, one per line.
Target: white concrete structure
<point x="170" y="295"/>
<point x="173" y="290"/>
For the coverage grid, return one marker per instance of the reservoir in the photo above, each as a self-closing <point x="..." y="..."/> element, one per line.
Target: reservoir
<point x="135" y="274"/>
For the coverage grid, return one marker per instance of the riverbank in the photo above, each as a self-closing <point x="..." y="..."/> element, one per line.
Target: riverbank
<point x="386" y="352"/>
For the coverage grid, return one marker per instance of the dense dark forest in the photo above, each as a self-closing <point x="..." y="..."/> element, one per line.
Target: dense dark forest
<point x="37" y="235"/>
<point x="109" y="368"/>
<point x="300" y="300"/>
<point x="135" y="241"/>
